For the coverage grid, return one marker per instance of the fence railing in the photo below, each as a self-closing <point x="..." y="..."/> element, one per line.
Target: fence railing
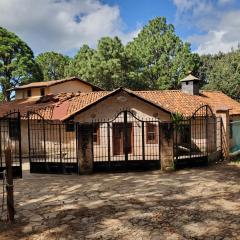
<point x="52" y="145"/>
<point x="10" y="136"/>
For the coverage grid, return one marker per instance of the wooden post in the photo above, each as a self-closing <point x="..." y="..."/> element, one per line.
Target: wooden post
<point x="9" y="185"/>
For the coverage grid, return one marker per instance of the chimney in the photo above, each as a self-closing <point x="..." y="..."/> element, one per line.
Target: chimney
<point x="190" y="84"/>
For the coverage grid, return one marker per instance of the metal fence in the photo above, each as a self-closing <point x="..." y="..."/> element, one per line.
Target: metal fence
<point x="10" y="136"/>
<point x="52" y="145"/>
<point x="198" y="140"/>
<point x="126" y="142"/>
<point x="122" y="143"/>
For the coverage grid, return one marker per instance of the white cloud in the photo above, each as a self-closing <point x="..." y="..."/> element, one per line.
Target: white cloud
<point x="221" y="26"/>
<point x="213" y="42"/>
<point x="225" y="36"/>
<point x="222" y="2"/>
<point x="195" y="6"/>
<point x="62" y="25"/>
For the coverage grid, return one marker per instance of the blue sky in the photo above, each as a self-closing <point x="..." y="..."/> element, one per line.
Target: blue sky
<point x="64" y="25"/>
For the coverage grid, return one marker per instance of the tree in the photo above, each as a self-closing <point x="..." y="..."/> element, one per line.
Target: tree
<point x="108" y="66"/>
<point x="161" y="57"/>
<point x="222" y="72"/>
<point x="17" y="65"/>
<point x="113" y="68"/>
<point x="155" y="59"/>
<point x="53" y="65"/>
<point x="1" y="97"/>
<point x="81" y="64"/>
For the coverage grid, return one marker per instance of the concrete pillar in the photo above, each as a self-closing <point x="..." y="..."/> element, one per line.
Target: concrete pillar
<point x="223" y="113"/>
<point x="167" y="156"/>
<point x="85" y="149"/>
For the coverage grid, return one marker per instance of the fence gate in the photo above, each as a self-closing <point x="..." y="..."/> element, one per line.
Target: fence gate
<point x="126" y="142"/>
<point x="198" y="139"/>
<point x="52" y="145"/>
<point x="10" y="135"/>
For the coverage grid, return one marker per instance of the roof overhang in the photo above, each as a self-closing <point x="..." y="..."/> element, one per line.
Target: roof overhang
<point x="112" y="94"/>
<point x="54" y="82"/>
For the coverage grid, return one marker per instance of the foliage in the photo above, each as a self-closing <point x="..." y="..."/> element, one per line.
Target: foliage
<point x="155" y="59"/>
<point x="177" y="118"/>
<point x="1" y="97"/>
<point x="162" y="58"/>
<point x="108" y="66"/>
<point x="222" y="72"/>
<point x="53" y="65"/>
<point x="17" y="65"/>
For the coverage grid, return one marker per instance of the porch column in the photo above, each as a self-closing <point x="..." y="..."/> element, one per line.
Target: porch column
<point x="85" y="150"/>
<point x="167" y="161"/>
<point x="224" y="114"/>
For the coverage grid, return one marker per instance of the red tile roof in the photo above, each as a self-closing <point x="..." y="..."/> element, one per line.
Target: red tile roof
<point x="173" y="100"/>
<point x="54" y="82"/>
<point x="218" y="100"/>
<point x="64" y="105"/>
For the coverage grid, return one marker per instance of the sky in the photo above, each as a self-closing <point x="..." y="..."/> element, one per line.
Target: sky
<point x="65" y="25"/>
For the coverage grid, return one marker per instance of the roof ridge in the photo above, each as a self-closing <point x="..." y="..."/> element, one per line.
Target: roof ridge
<point x="164" y="90"/>
<point x="218" y="91"/>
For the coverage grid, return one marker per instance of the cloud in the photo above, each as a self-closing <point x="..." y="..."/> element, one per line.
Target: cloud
<point x="62" y="25"/>
<point x="222" y="2"/>
<point x="220" y="26"/>
<point x="196" y="7"/>
<point x="225" y="36"/>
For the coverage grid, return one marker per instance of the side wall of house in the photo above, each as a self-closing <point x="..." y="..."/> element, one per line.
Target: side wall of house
<point x="108" y="109"/>
<point x="35" y="93"/>
<point x="70" y="86"/>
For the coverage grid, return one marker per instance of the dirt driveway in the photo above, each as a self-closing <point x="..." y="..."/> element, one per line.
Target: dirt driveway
<point x="187" y="204"/>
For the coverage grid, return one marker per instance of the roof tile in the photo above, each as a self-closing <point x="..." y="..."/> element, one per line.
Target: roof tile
<point x="64" y="105"/>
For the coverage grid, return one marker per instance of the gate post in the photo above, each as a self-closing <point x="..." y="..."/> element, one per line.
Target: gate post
<point x="167" y="161"/>
<point x="223" y="113"/>
<point x="85" y="148"/>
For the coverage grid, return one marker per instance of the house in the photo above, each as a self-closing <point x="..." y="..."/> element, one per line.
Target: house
<point x="81" y="131"/>
<point x="39" y="89"/>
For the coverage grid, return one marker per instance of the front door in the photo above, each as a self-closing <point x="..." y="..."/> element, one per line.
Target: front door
<point x="119" y="139"/>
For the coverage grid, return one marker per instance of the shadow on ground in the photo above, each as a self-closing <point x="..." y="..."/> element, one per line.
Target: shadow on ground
<point x="188" y="204"/>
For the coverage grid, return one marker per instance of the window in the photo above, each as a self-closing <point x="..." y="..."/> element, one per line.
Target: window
<point x="13" y="129"/>
<point x="42" y="92"/>
<point x="29" y="93"/>
<point x="151" y="133"/>
<point x="96" y="134"/>
<point x="70" y="127"/>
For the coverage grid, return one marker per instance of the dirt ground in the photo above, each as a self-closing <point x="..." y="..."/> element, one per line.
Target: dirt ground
<point x="201" y="203"/>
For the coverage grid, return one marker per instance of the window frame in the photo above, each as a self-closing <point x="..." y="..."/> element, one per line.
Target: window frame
<point x="154" y="132"/>
<point x="29" y="92"/>
<point x="42" y="89"/>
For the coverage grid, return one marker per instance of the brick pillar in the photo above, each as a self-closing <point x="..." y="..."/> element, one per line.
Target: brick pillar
<point x="167" y="161"/>
<point x="224" y="114"/>
<point x="85" y="150"/>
